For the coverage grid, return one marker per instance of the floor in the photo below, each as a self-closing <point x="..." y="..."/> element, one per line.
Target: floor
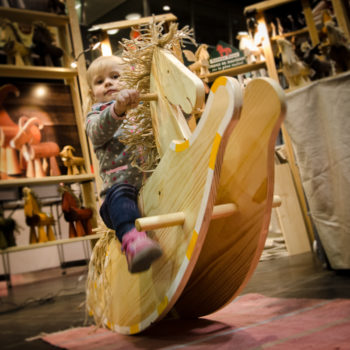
<point x="56" y="303"/>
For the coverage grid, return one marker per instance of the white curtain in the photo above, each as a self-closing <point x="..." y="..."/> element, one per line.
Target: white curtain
<point x="318" y="121"/>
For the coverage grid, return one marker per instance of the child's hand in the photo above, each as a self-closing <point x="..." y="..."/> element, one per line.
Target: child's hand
<point x="125" y="100"/>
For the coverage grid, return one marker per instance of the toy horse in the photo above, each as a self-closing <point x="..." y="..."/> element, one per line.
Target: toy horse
<point x="17" y="53"/>
<point x="79" y="218"/>
<point x="36" y="218"/>
<point x="207" y="203"/>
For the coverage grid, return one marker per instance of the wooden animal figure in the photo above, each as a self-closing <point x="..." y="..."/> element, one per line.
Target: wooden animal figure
<point x="251" y="51"/>
<point x="44" y="46"/>
<point x="200" y="67"/>
<point x="339" y="47"/>
<point x="7" y="231"/>
<point x="75" y="165"/>
<point x="208" y="202"/>
<point x="78" y="217"/>
<point x="9" y="162"/>
<point x="311" y="56"/>
<point x="40" y="223"/>
<point x="295" y="71"/>
<point x="17" y="53"/>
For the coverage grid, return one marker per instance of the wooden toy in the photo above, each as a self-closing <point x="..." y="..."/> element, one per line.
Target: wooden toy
<point x="208" y="202"/>
<point x="75" y="165"/>
<point x="295" y="71"/>
<point x="17" y="53"/>
<point x="79" y="218"/>
<point x="9" y="163"/>
<point x="36" y="218"/>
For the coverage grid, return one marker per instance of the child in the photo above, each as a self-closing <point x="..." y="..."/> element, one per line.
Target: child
<point x="121" y="182"/>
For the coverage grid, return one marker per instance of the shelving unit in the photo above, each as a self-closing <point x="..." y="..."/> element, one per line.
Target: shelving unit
<point x="67" y="39"/>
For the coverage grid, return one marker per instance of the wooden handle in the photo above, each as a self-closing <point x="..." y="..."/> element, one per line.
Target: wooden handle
<point x="149" y="97"/>
<point x="173" y="219"/>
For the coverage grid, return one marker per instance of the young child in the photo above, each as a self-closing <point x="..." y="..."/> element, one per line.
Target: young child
<point x="121" y="181"/>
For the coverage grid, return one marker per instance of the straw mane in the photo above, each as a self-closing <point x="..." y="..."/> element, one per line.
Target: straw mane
<point x="138" y="53"/>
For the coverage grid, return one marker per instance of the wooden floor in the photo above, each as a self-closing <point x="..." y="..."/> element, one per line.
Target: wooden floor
<point x="55" y="302"/>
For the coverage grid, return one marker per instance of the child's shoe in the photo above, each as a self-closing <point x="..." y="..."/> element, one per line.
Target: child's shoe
<point x="140" y="250"/>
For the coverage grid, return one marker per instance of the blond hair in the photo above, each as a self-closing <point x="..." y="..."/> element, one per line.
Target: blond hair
<point x="97" y="66"/>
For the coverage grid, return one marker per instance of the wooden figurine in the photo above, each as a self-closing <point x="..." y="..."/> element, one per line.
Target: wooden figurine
<point x="17" y="53"/>
<point x="208" y="201"/>
<point x="9" y="162"/>
<point x="339" y="47"/>
<point x="44" y="46"/>
<point x="40" y="223"/>
<point x="75" y="165"/>
<point x="78" y="217"/>
<point x="200" y="59"/>
<point x="295" y="71"/>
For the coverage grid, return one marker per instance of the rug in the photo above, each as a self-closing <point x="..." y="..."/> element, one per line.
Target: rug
<point x="252" y="321"/>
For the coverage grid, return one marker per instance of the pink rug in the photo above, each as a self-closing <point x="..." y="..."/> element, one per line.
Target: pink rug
<point x="252" y="321"/>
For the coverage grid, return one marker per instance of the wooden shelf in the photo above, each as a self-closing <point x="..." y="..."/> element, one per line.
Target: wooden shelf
<point x="289" y="34"/>
<point x="22" y="15"/>
<point x="265" y="5"/>
<point x="49" y="243"/>
<point x="235" y="70"/>
<point x="9" y="70"/>
<point x="46" y="180"/>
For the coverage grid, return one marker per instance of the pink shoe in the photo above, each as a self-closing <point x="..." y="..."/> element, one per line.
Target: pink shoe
<point x="140" y="250"/>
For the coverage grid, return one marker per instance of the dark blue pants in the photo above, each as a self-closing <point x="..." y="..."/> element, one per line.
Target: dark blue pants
<point x="119" y="209"/>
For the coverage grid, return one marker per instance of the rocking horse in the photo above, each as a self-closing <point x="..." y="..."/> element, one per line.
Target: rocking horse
<point x="79" y="218"/>
<point x="208" y="202"/>
<point x="35" y="218"/>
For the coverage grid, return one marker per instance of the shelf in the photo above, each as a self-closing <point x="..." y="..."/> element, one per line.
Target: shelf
<point x="9" y="70"/>
<point x="49" y="243"/>
<point x="21" y="15"/>
<point x="245" y="68"/>
<point x="289" y="34"/>
<point x="265" y="5"/>
<point x="46" y="180"/>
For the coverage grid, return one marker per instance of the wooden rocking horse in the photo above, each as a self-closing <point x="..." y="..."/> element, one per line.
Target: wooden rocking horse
<point x="36" y="218"/>
<point x="208" y="202"/>
<point x="79" y="218"/>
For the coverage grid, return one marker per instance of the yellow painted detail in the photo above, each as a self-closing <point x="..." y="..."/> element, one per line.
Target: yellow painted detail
<point x="190" y="247"/>
<point x="109" y="325"/>
<point x="95" y="285"/>
<point x="135" y="329"/>
<point x="91" y="313"/>
<point x="179" y="147"/>
<point x="219" y="81"/>
<point x="214" y="151"/>
<point x="162" y="305"/>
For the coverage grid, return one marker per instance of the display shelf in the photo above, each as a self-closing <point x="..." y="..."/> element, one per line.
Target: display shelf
<point x="50" y="243"/>
<point x="23" y="15"/>
<point x="9" y="70"/>
<point x="265" y="5"/>
<point x="245" y="68"/>
<point x="46" y="180"/>
<point x="290" y="34"/>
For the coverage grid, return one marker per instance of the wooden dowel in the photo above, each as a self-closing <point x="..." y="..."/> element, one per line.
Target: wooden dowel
<point x="149" y="97"/>
<point x="174" y="219"/>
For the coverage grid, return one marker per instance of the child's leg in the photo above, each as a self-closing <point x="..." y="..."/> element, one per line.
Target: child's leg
<point x="119" y="211"/>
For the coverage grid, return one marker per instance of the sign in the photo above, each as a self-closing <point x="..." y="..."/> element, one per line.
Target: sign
<point x="225" y="56"/>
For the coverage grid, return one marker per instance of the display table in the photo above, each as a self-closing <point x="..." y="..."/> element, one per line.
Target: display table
<point x="318" y="122"/>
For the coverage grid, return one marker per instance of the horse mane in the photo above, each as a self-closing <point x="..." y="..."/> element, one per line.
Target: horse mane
<point x="138" y="53"/>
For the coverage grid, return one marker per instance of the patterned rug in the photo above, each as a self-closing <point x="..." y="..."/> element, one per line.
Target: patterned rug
<point x="252" y="321"/>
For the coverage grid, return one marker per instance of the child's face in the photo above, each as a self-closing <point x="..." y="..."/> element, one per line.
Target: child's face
<point x="106" y="83"/>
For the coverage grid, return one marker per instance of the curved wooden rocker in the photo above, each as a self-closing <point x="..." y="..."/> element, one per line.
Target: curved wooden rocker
<point x="208" y="202"/>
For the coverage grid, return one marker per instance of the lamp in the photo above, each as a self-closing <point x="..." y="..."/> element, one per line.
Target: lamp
<point x="94" y="45"/>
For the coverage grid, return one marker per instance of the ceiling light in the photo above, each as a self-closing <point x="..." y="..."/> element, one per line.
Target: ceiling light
<point x="166" y="8"/>
<point x="132" y="16"/>
<point x="112" y="31"/>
